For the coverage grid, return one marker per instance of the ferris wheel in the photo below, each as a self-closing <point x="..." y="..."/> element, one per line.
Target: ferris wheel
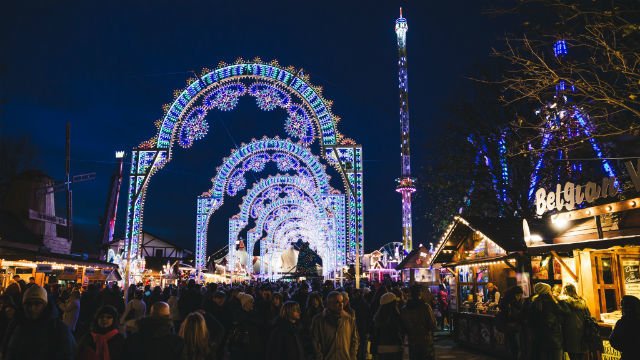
<point x="391" y="251"/>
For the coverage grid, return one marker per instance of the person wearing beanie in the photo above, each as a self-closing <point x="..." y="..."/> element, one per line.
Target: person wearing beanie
<point x="387" y="329"/>
<point x="105" y="341"/>
<point x="248" y="336"/>
<point x="38" y="334"/>
<point x="545" y="318"/>
<point x="388" y="298"/>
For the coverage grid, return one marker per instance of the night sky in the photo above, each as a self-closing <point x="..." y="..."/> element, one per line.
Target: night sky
<point x="108" y="67"/>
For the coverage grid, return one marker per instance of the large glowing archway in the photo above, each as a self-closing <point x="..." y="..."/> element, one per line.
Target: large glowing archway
<point x="231" y="178"/>
<point x="309" y="119"/>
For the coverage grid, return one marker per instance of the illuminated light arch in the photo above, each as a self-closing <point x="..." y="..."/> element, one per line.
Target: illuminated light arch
<point x="289" y="205"/>
<point x="271" y="188"/>
<point x="272" y="86"/>
<point x="254" y="156"/>
<point x="324" y="238"/>
<point x="278" y="238"/>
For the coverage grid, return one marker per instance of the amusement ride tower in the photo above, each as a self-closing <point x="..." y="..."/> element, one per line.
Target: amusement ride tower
<point x="406" y="184"/>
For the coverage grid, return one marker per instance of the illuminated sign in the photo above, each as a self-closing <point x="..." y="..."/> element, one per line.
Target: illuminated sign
<point x="571" y="195"/>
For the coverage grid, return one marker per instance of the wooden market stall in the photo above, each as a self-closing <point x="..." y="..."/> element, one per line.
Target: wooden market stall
<point x="49" y="267"/>
<point x="415" y="268"/>
<point x="598" y="250"/>
<point x="480" y="252"/>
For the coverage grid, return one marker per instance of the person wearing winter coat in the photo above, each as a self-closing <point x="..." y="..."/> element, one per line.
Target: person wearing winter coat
<point x="419" y="323"/>
<point x="334" y="331"/>
<point x="104" y="342"/>
<point x="510" y="320"/>
<point x="625" y="336"/>
<point x="363" y="321"/>
<point x="545" y="318"/>
<point x="573" y="325"/>
<point x="197" y="342"/>
<point x="38" y="334"/>
<point x="9" y="311"/>
<point x="387" y="329"/>
<point x="71" y="310"/>
<point x="190" y="299"/>
<point x="247" y="337"/>
<point x="285" y="341"/>
<point x="155" y="338"/>
<point x="134" y="311"/>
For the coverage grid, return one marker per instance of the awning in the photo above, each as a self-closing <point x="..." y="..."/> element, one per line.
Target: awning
<point x="589" y="244"/>
<point x="483" y="261"/>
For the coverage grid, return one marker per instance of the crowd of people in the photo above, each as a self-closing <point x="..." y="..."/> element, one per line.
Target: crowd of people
<point x="555" y="324"/>
<point x="285" y="320"/>
<point x="256" y="320"/>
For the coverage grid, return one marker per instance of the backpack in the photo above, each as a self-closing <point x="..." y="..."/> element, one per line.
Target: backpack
<point x="239" y="338"/>
<point x="592" y="334"/>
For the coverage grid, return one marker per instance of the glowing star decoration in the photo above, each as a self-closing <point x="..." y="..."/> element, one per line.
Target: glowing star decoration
<point x="268" y="97"/>
<point x="226" y="97"/>
<point x="285" y="162"/>
<point x="257" y="163"/>
<point x="298" y="125"/>
<point x="195" y="127"/>
<point x="237" y="183"/>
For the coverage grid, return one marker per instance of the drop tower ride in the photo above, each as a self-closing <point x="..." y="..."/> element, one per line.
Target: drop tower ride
<point x="405" y="184"/>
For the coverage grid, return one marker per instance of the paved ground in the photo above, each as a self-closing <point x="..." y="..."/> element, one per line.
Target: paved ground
<point x="446" y="349"/>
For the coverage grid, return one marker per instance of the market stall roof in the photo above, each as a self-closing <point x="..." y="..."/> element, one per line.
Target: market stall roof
<point x="417" y="258"/>
<point x="506" y="233"/>
<point x="18" y="254"/>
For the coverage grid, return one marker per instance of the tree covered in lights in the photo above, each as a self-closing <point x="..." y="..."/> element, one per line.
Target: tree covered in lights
<point x="307" y="260"/>
<point x="586" y="51"/>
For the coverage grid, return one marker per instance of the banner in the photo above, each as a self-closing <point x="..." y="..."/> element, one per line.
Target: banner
<point x="631" y="269"/>
<point x="44" y="268"/>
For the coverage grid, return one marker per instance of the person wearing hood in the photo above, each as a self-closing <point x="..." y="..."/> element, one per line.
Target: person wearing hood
<point x="155" y="338"/>
<point x="286" y="338"/>
<point x="573" y="324"/>
<point x="625" y="336"/>
<point x="104" y="342"/>
<point x="545" y="318"/>
<point x="334" y="331"/>
<point x="37" y="334"/>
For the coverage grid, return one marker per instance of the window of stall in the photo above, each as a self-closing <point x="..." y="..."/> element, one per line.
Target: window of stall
<point x="472" y="283"/>
<point x="605" y="273"/>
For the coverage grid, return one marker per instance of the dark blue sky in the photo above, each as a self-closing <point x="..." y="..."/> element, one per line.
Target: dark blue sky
<point x="108" y="67"/>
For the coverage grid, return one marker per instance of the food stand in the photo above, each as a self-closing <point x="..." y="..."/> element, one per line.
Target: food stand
<point x="596" y="245"/>
<point x="52" y="268"/>
<point x="480" y="251"/>
<point x="599" y="252"/>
